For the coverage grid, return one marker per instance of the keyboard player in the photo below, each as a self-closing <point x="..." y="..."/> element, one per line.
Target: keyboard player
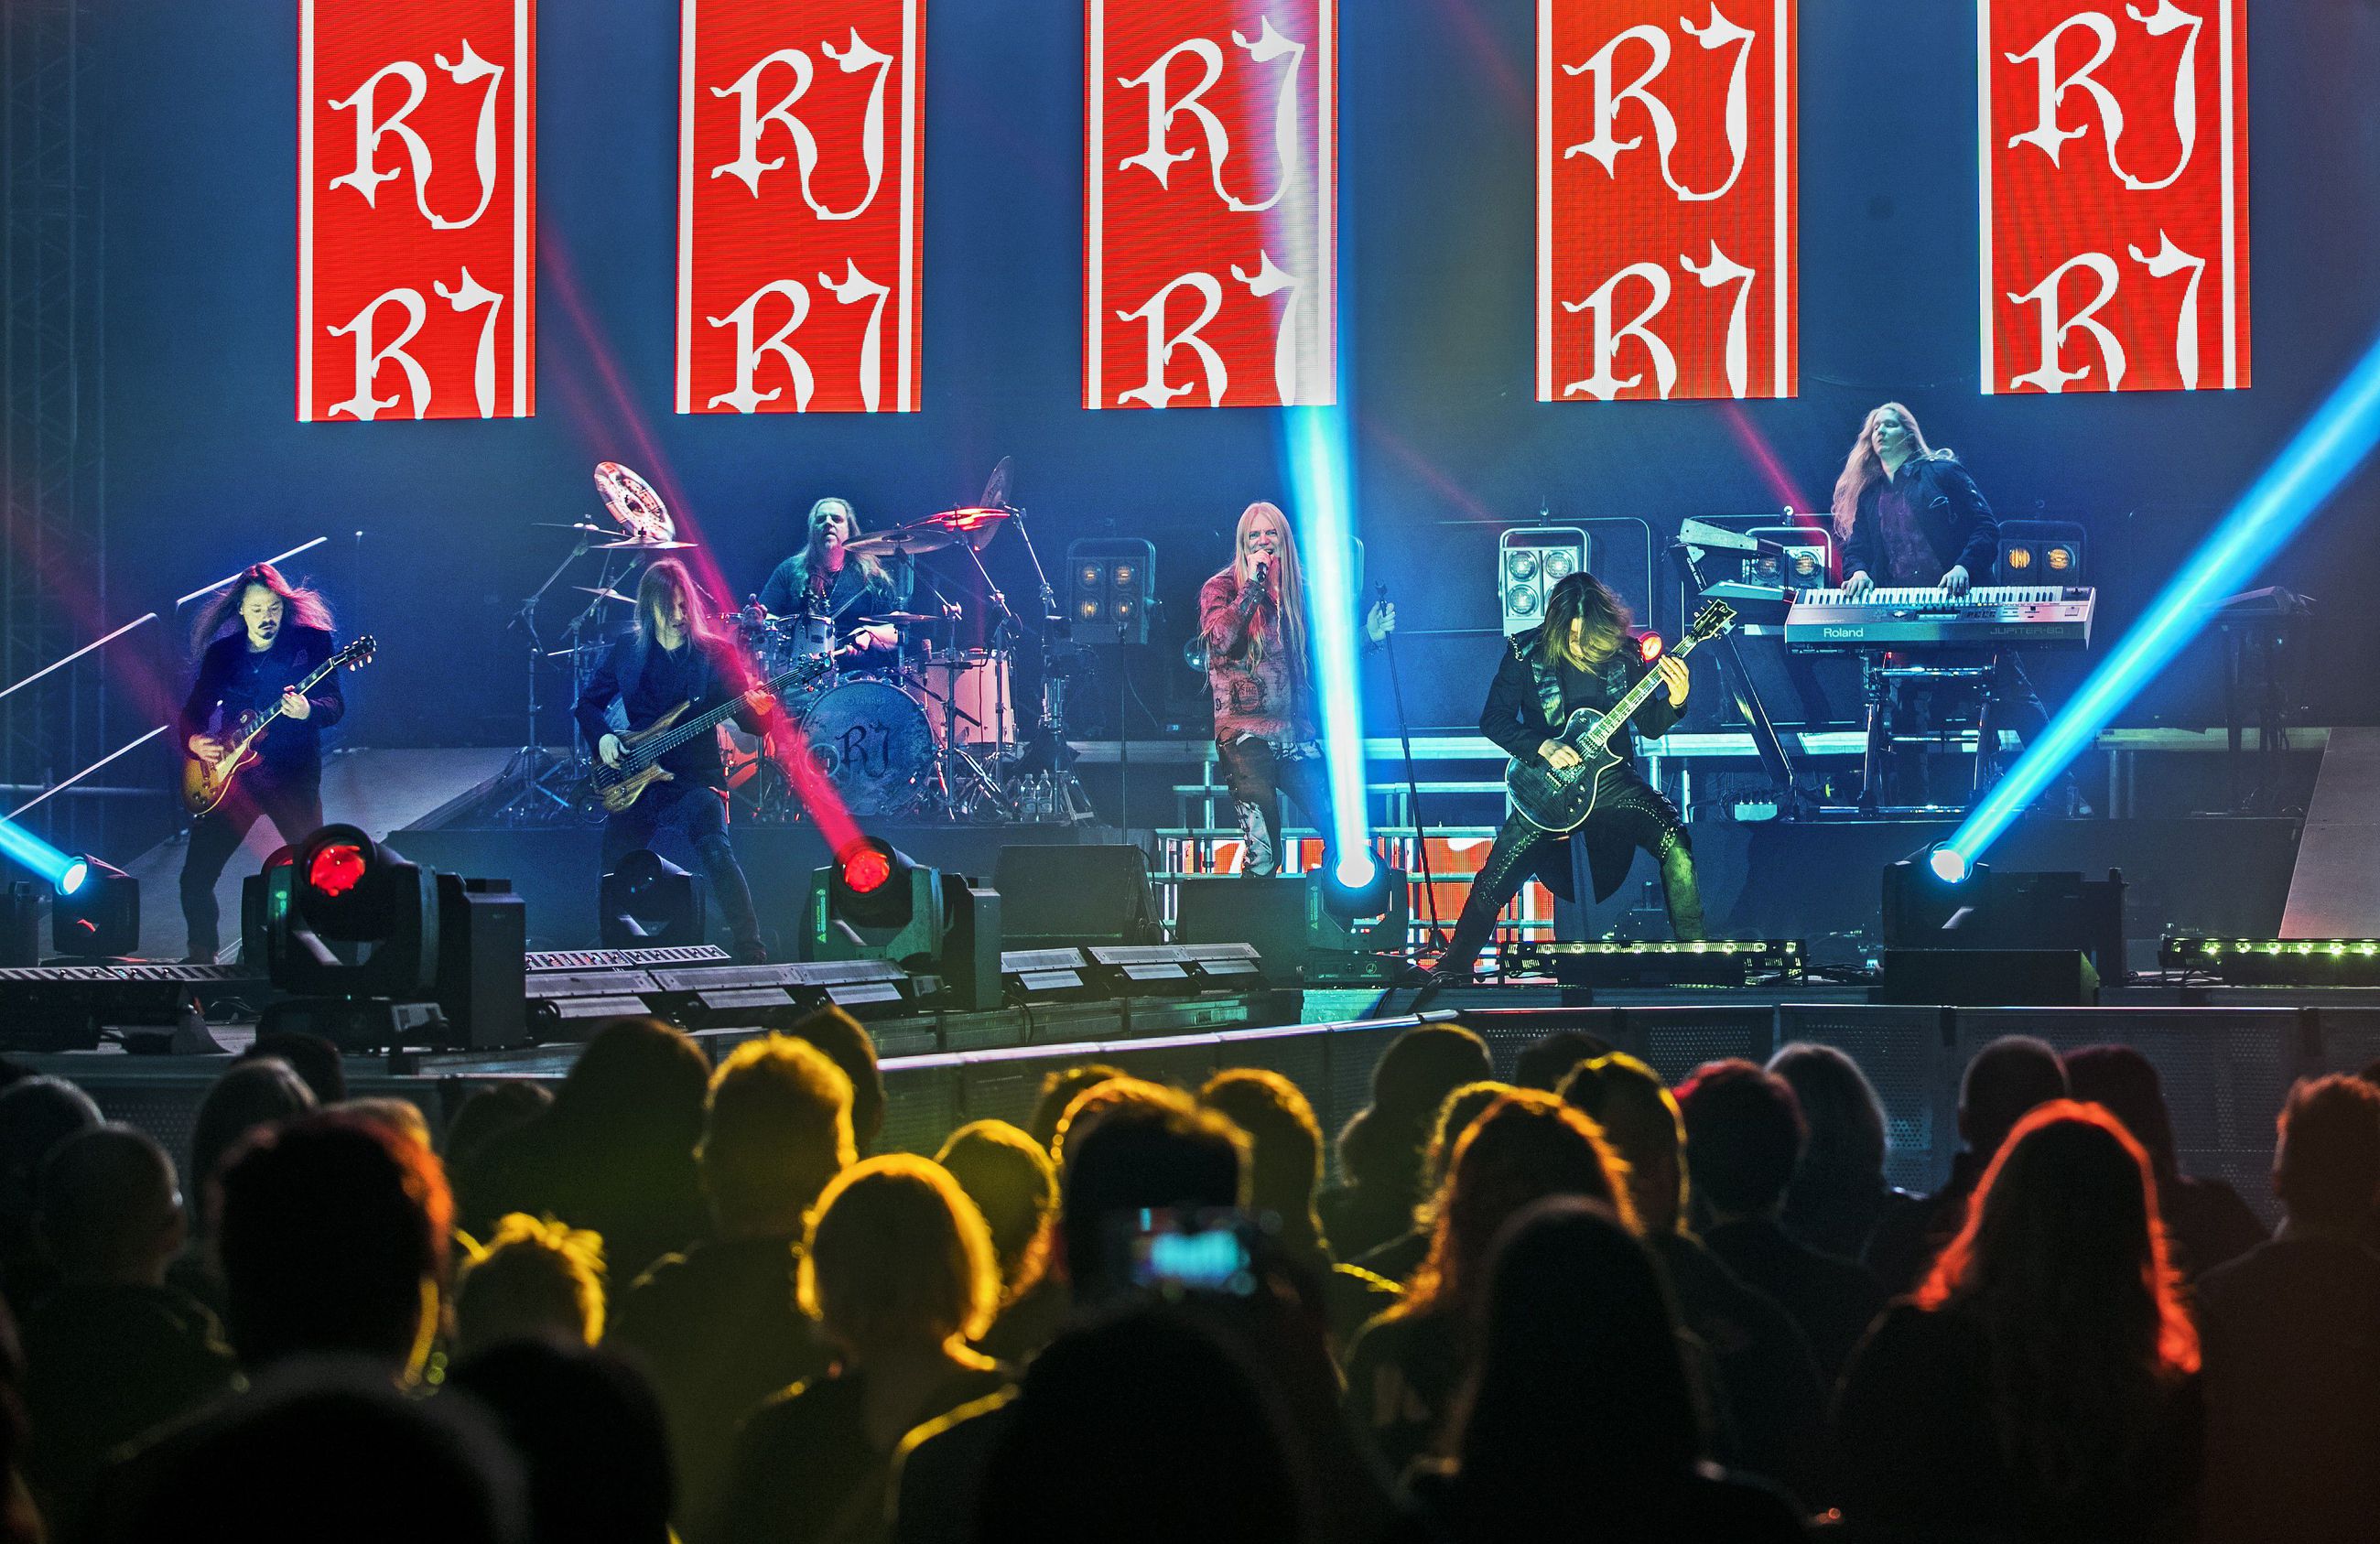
<point x="1909" y="517"/>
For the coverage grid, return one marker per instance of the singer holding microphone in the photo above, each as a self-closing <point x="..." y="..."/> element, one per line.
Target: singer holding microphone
<point x="1253" y="617"/>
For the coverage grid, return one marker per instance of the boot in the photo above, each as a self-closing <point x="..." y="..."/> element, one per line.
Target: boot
<point x="1681" y="891"/>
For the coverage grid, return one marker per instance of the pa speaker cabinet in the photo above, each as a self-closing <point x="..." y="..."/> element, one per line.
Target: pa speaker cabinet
<point x="1991" y="978"/>
<point x="1054" y="896"/>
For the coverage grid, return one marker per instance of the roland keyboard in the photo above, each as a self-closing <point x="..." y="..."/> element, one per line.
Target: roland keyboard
<point x="1986" y="616"/>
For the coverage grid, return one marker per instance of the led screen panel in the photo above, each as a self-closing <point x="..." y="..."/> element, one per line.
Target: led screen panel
<point x="2114" y="151"/>
<point x="1666" y="199"/>
<point x="417" y="209"/>
<point x="1210" y="225"/>
<point x="801" y="128"/>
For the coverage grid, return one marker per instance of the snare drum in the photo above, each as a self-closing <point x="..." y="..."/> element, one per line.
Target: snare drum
<point x="974" y="682"/>
<point x="870" y="741"/>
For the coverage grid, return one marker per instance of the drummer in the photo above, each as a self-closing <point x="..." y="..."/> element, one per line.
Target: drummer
<point x="826" y="579"/>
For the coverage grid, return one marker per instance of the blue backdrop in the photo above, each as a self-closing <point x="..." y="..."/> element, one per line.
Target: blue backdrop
<point x="434" y="546"/>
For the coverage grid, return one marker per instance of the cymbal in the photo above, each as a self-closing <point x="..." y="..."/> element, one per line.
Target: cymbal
<point x="978" y="524"/>
<point x="643" y="544"/>
<point x="571" y="525"/>
<point x="921" y="538"/>
<point x="603" y="593"/>
<point x="905" y="617"/>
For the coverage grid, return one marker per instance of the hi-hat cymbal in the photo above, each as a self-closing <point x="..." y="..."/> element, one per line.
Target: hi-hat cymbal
<point x="643" y="544"/>
<point x="603" y="593"/>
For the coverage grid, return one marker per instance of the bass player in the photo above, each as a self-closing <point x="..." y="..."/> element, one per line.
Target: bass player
<point x="1577" y="659"/>
<point x="672" y="658"/>
<point x="273" y="635"/>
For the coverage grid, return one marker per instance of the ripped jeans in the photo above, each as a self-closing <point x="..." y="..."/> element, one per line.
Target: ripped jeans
<point x="1257" y="772"/>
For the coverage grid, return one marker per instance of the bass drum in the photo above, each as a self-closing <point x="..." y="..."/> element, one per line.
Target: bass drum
<point x="870" y="741"/>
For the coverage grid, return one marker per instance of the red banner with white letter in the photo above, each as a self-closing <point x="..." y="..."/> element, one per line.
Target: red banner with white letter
<point x="1666" y="199"/>
<point x="801" y="131"/>
<point x="2115" y="194"/>
<point x="1210" y="218"/>
<point x="415" y="207"/>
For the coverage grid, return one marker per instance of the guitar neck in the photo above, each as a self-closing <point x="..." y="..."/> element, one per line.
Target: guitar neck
<point x="304" y="686"/>
<point x="711" y="718"/>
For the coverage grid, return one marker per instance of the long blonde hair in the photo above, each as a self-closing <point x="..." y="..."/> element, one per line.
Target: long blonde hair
<point x="1864" y="466"/>
<point x="1291" y="589"/>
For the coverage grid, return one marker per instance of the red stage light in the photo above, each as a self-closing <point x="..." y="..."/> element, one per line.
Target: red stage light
<point x="336" y="870"/>
<point x="1649" y="646"/>
<point x="866" y="870"/>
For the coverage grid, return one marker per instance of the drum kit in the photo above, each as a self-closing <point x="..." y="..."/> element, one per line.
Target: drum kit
<point x="926" y="729"/>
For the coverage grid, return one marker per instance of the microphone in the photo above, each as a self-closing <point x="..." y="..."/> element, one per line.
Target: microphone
<point x="1264" y="571"/>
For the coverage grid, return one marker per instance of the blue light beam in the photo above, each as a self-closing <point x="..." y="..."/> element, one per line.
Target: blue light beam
<point x="1322" y="478"/>
<point x="2333" y="442"/>
<point x="23" y="846"/>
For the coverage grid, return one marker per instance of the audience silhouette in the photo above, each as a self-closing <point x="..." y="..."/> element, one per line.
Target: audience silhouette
<point x="1403" y="1368"/>
<point x="717" y="1328"/>
<point x="2043" y="1384"/>
<point x="1380" y="1149"/>
<point x="1577" y="1419"/>
<point x="2292" y="1339"/>
<point x="898" y="1270"/>
<point x="1142" y="1316"/>
<point x="112" y="1353"/>
<point x="1743" y="1141"/>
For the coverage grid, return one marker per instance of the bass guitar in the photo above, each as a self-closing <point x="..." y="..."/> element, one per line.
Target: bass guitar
<point x="613" y="789"/>
<point x="1562" y="800"/>
<point x="205" y="783"/>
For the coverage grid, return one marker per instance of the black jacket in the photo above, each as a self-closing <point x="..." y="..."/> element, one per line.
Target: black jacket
<point x="235" y="680"/>
<point x="1950" y="510"/>
<point x="1529" y="697"/>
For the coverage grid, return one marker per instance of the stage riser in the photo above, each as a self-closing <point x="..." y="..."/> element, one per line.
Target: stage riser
<point x="2226" y="1070"/>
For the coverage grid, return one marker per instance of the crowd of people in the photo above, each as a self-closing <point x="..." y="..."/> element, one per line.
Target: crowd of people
<point x="669" y="1300"/>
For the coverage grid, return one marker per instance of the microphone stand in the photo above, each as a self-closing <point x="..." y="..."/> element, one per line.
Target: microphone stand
<point x="1436" y="938"/>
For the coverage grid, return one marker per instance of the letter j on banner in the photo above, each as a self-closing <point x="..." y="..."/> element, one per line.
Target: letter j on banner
<point x="2115" y="194"/>
<point x="1666" y="199"/>
<point x="801" y="128"/>
<point x="1210" y="188"/>
<point x="416" y="207"/>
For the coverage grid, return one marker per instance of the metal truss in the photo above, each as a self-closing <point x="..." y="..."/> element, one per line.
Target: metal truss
<point x="54" y="548"/>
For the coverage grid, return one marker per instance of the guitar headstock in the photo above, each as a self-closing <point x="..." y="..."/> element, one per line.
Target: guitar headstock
<point x="357" y="653"/>
<point x="1715" y="619"/>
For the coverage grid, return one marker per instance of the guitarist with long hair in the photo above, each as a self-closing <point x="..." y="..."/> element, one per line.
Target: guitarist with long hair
<point x="674" y="658"/>
<point x="1579" y="659"/>
<point x="258" y="640"/>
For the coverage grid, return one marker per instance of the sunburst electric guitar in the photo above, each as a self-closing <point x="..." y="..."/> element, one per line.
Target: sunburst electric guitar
<point x="205" y="784"/>
<point x="616" y="788"/>
<point x="1559" y="801"/>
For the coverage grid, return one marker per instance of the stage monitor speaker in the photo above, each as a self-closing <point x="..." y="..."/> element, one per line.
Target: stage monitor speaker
<point x="1990" y="977"/>
<point x="1056" y="896"/>
<point x="482" y="934"/>
<point x="2007" y="909"/>
<point x="1267" y="914"/>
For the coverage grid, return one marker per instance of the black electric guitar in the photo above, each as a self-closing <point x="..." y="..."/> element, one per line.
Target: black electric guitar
<point x="614" y="788"/>
<point x="205" y="783"/>
<point x="1559" y="801"/>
